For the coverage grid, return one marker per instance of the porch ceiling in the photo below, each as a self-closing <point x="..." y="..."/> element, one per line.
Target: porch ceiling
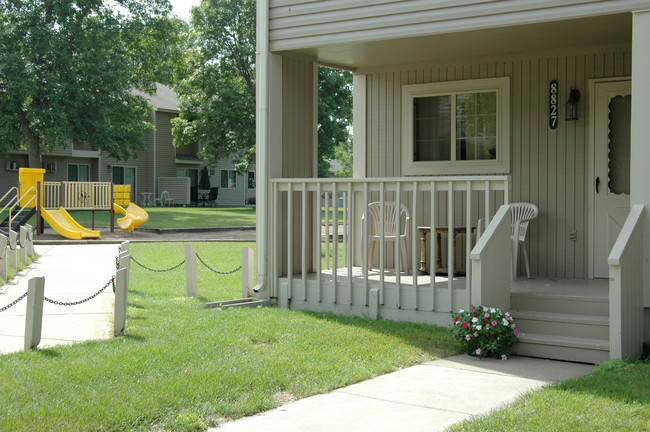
<point x="599" y="30"/>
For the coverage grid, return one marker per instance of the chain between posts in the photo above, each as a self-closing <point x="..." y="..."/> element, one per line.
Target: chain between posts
<point x="110" y="282"/>
<point x="13" y="303"/>
<point x="153" y="269"/>
<point x="217" y="271"/>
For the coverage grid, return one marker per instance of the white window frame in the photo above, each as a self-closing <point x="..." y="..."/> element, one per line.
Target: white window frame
<point x="234" y="186"/>
<point x="248" y="180"/>
<point x="77" y="165"/>
<point x="500" y="165"/>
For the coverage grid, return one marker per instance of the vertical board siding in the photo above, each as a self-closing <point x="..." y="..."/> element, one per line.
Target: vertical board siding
<point x="548" y="168"/>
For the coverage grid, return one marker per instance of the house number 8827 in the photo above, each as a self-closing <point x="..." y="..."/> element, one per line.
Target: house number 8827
<point x="553" y="109"/>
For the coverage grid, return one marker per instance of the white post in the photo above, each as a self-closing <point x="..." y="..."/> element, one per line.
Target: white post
<point x="3" y="257"/>
<point x="125" y="246"/>
<point x="247" y="272"/>
<point x="34" y="312"/>
<point x="191" y="276"/>
<point x="23" y="245"/>
<point x="30" y="241"/>
<point x="125" y="263"/>
<point x="640" y="130"/>
<point x="13" y="250"/>
<point x="121" y="294"/>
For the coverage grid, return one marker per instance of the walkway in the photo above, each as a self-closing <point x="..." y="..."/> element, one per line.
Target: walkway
<point x="427" y="397"/>
<point x="72" y="273"/>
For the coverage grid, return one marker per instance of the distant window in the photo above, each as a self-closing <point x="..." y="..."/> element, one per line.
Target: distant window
<point x="251" y="180"/>
<point x="228" y="179"/>
<point x="78" y="172"/>
<point x="458" y="127"/>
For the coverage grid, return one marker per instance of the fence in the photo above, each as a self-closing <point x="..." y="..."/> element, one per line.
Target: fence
<point x="16" y="245"/>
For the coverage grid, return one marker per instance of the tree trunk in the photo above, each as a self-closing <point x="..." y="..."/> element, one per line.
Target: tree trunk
<point x="33" y="148"/>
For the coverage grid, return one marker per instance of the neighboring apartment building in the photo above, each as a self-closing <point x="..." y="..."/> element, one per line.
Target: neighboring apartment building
<point x="82" y="162"/>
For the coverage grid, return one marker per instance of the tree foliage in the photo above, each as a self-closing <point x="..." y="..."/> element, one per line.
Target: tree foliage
<point x="217" y="98"/>
<point x="68" y="68"/>
<point x="334" y="115"/>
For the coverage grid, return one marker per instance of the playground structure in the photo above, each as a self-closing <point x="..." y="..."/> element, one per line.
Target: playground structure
<point x="51" y="200"/>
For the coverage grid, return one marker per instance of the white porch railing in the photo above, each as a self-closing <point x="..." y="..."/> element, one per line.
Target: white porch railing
<point x="492" y="262"/>
<point x="77" y="195"/>
<point x="626" y="289"/>
<point x="319" y="237"/>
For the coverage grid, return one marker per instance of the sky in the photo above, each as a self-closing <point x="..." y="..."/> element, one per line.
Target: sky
<point x="182" y="7"/>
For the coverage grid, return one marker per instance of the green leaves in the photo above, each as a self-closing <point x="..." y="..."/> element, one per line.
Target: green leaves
<point x="67" y="70"/>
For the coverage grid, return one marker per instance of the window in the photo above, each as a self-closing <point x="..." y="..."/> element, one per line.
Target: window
<point x="78" y="172"/>
<point x="192" y="173"/>
<point x="123" y="176"/>
<point x="460" y="127"/>
<point x="251" y="180"/>
<point x="228" y="179"/>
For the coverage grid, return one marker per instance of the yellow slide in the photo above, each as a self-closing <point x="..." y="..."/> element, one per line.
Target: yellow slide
<point x="134" y="216"/>
<point x="61" y="221"/>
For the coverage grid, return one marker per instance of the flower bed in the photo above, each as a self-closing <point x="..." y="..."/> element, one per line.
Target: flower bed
<point x="485" y="331"/>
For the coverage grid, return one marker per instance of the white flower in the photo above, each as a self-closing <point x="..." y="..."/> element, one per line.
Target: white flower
<point x="493" y="310"/>
<point x="474" y="320"/>
<point x="505" y="322"/>
<point x="479" y="327"/>
<point x="461" y="311"/>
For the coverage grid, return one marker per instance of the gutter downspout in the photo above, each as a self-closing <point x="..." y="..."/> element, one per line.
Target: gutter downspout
<point x="262" y="142"/>
<point x="155" y="131"/>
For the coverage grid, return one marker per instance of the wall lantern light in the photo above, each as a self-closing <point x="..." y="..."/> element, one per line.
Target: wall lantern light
<point x="571" y="104"/>
<point x="109" y="167"/>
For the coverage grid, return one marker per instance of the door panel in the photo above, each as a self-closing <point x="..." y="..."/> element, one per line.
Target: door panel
<point x="612" y="168"/>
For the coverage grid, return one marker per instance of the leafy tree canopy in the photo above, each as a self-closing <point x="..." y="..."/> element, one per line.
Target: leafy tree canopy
<point x="67" y="69"/>
<point x="217" y="97"/>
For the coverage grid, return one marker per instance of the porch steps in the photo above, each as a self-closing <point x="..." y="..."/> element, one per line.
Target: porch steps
<point x="562" y="326"/>
<point x="245" y="302"/>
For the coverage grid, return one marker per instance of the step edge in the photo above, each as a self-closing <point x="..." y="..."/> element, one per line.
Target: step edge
<point x="564" y="341"/>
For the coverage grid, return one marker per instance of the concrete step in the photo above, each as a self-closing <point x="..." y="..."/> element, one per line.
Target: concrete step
<point x="563" y="324"/>
<point x="578" y="349"/>
<point x="559" y="303"/>
<point x="245" y="302"/>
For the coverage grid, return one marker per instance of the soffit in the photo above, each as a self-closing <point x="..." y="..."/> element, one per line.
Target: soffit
<point x="513" y="40"/>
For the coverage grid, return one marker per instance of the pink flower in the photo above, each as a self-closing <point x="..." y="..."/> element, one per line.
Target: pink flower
<point x="467" y="337"/>
<point x="478" y="351"/>
<point x="494" y="323"/>
<point x="504" y="357"/>
<point x="475" y="334"/>
<point x="487" y="315"/>
<point x="516" y="333"/>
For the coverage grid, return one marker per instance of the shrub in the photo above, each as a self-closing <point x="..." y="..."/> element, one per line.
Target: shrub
<point x="485" y="331"/>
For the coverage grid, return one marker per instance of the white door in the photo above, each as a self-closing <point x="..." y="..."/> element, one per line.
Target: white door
<point x="612" y="168"/>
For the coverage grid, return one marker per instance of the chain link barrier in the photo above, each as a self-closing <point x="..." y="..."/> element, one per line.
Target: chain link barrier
<point x="217" y="271"/>
<point x="13" y="303"/>
<point x="61" y="303"/>
<point x="153" y="269"/>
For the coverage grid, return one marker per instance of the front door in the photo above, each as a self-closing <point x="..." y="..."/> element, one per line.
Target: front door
<point x="612" y="168"/>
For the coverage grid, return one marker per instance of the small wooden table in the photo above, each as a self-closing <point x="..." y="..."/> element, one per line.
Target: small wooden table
<point x="424" y="230"/>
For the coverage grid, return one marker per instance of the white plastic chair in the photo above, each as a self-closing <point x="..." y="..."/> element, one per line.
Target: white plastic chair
<point x="522" y="214"/>
<point x="165" y="199"/>
<point x="390" y="228"/>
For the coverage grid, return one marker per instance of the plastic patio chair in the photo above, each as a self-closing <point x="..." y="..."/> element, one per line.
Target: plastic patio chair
<point x="522" y="214"/>
<point x="165" y="199"/>
<point x="390" y="227"/>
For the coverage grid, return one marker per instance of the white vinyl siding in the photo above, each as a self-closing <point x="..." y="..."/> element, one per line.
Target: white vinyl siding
<point x="548" y="168"/>
<point x="296" y="24"/>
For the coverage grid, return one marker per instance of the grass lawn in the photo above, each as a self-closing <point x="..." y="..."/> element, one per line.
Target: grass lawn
<point x="176" y="217"/>
<point x="615" y="397"/>
<point x="182" y="366"/>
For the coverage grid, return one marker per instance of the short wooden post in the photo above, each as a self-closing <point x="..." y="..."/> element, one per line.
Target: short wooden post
<point x="121" y="294"/>
<point x="34" y="313"/>
<point x="191" y="276"/>
<point x="3" y="257"/>
<point x="30" y="241"/>
<point x="23" y="245"/>
<point x="247" y="279"/>
<point x="13" y="250"/>
<point x="125" y="263"/>
<point x="125" y="246"/>
<point x="373" y="303"/>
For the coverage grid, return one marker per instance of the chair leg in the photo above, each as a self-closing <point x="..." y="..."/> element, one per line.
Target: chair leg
<point x="405" y="260"/>
<point x="526" y="259"/>
<point x="371" y="252"/>
<point x="515" y="252"/>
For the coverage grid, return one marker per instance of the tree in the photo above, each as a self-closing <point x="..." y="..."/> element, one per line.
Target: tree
<point x="68" y="68"/>
<point x="334" y="114"/>
<point x="343" y="154"/>
<point x="217" y="98"/>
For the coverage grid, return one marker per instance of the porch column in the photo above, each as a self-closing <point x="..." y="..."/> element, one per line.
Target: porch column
<point x="640" y="143"/>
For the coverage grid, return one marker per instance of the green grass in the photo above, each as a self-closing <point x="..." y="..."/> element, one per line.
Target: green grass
<point x="616" y="396"/>
<point x="176" y="217"/>
<point x="182" y="366"/>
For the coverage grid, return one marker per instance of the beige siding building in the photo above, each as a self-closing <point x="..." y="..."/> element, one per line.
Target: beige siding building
<point x="461" y="110"/>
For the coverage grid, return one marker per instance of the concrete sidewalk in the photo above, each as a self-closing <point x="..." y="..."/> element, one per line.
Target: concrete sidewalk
<point x="427" y="397"/>
<point x="72" y="273"/>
